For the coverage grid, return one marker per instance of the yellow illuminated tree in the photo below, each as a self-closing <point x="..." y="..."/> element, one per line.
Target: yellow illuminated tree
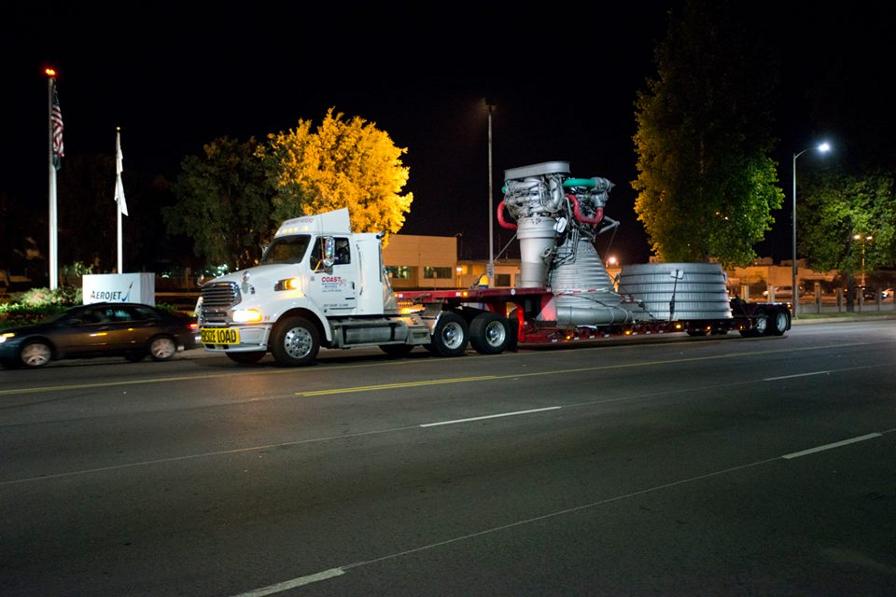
<point x="341" y="163"/>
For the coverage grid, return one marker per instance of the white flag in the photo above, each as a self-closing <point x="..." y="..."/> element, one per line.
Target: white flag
<point x="119" y="187"/>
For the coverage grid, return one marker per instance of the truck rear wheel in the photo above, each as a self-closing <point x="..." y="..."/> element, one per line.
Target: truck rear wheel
<point x="779" y="322"/>
<point x="450" y="336"/>
<point x="295" y="341"/>
<point x="489" y="333"/>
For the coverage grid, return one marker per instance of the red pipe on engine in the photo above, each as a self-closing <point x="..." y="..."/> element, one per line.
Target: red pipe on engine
<point x="577" y="211"/>
<point x="501" y="221"/>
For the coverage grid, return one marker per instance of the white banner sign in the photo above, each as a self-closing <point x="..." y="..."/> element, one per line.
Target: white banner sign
<point x="119" y="288"/>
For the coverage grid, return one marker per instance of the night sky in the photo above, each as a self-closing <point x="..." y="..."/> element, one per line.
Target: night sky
<point x="564" y="80"/>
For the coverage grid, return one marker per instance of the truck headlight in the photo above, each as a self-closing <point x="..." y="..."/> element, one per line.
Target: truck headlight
<point x="289" y="284"/>
<point x="247" y="316"/>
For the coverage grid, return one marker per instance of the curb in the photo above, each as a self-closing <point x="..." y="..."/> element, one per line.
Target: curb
<point x="847" y="319"/>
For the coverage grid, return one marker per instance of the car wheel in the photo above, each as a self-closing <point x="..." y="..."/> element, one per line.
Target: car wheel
<point x="490" y="333"/>
<point x="162" y="348"/>
<point x="296" y="341"/>
<point x="396" y="350"/>
<point x="36" y="354"/>
<point x="246" y="358"/>
<point x="450" y="336"/>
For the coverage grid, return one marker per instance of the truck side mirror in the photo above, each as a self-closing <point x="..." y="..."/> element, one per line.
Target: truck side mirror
<point x="329" y="251"/>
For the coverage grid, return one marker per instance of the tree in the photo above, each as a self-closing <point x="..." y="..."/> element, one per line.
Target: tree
<point x="224" y="203"/>
<point x="342" y="163"/>
<point x="706" y="184"/>
<point x="834" y="208"/>
<point x="86" y="204"/>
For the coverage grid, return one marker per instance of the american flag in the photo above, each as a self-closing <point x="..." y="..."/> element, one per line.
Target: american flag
<point x="56" y="119"/>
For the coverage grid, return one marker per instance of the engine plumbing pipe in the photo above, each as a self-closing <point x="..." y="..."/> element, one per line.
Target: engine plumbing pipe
<point x="576" y="210"/>
<point x="501" y="221"/>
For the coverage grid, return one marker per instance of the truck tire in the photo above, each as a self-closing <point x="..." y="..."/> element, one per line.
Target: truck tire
<point x="246" y="358"/>
<point x="295" y="341"/>
<point x="779" y="323"/>
<point x="490" y="333"/>
<point x="762" y="324"/>
<point x="450" y="336"/>
<point x="396" y="350"/>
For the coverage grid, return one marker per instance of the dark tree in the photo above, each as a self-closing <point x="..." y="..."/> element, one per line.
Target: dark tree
<point x="224" y="203"/>
<point x="706" y="182"/>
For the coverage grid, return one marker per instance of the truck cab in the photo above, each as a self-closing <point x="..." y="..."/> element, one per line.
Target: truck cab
<point x="323" y="282"/>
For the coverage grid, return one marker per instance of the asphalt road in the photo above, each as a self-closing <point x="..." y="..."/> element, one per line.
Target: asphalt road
<point x="716" y="466"/>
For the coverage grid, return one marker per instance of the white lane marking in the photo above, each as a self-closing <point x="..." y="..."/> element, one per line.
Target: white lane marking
<point x="795" y="375"/>
<point x="519" y="412"/>
<point x="845" y="442"/>
<point x="822" y="372"/>
<point x="294" y="583"/>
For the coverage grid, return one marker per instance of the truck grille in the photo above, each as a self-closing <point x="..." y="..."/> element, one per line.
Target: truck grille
<point x="217" y="298"/>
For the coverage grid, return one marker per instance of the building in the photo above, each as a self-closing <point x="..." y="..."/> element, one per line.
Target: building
<point x="422" y="262"/>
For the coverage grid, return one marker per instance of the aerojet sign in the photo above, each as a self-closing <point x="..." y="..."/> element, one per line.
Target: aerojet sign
<point x="119" y="288"/>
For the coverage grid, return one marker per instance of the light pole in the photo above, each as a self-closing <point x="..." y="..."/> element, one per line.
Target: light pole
<point x="863" y="239"/>
<point x="794" y="292"/>
<point x="490" y="104"/>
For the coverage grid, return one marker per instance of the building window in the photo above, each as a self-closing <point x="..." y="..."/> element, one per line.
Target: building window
<point x="502" y="280"/>
<point x="399" y="272"/>
<point x="437" y="272"/>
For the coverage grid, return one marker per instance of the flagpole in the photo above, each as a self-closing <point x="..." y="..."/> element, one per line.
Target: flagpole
<point x="54" y="269"/>
<point x="117" y="200"/>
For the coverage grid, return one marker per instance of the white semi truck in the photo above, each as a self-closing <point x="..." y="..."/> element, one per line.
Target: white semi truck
<point x="320" y="284"/>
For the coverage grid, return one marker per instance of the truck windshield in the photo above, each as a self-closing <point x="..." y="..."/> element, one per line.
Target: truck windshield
<point x="286" y="249"/>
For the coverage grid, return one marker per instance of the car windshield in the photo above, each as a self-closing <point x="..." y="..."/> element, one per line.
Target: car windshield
<point x="286" y="249"/>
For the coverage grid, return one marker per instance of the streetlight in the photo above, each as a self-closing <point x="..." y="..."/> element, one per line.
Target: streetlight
<point x="863" y="239"/>
<point x="823" y="147"/>
<point x="490" y="104"/>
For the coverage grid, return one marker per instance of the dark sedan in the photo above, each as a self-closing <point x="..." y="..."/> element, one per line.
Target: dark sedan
<point x="130" y="330"/>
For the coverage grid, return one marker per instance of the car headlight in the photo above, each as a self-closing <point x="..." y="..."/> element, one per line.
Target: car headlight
<point x="289" y="284"/>
<point x="6" y="336"/>
<point x="247" y="316"/>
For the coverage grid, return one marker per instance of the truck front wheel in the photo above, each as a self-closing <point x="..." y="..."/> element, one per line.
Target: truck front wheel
<point x="450" y="336"/>
<point x="295" y="341"/>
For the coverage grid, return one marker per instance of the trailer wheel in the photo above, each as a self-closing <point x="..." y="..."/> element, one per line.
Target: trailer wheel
<point x="295" y="341"/>
<point x="779" y="324"/>
<point x="396" y="350"/>
<point x="449" y="338"/>
<point x="490" y="333"/>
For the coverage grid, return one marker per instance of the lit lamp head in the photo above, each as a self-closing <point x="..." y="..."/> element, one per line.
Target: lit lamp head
<point x="824" y="147"/>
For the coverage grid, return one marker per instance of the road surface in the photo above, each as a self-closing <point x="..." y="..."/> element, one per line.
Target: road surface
<point x="683" y="466"/>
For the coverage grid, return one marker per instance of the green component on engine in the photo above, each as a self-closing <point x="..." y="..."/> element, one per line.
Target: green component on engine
<point x="578" y="182"/>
